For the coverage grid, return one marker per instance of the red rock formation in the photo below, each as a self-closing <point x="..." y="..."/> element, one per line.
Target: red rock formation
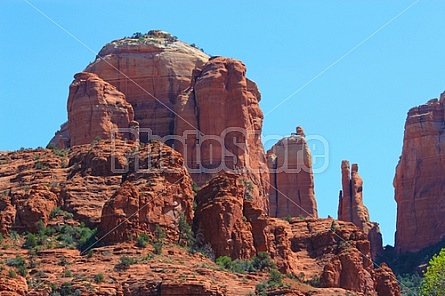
<point x="291" y="190"/>
<point x="419" y="181"/>
<point x="95" y="108"/>
<point x="336" y="252"/>
<point x="151" y="71"/>
<point x="352" y="209"/>
<point x="153" y="195"/>
<point x="226" y="218"/>
<point x="232" y="143"/>
<point x="33" y="206"/>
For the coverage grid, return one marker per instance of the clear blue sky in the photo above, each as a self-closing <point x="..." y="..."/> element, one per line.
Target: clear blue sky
<point x="358" y="104"/>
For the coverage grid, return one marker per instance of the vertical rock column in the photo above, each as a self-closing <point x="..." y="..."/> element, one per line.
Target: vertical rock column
<point x="352" y="209"/>
<point x="291" y="179"/>
<point x="419" y="181"/>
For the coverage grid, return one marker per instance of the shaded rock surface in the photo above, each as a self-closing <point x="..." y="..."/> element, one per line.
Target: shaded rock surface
<point x="351" y="207"/>
<point x="419" y="181"/>
<point x="291" y="190"/>
<point x="229" y="218"/>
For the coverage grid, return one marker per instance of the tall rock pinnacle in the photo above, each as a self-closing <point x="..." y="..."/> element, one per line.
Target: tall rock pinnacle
<point x="291" y="179"/>
<point x="352" y="209"/>
<point x="419" y="181"/>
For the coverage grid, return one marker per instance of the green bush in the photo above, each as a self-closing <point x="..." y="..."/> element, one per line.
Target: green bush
<point x="12" y="273"/>
<point x="16" y="262"/>
<point x="259" y="263"/>
<point x="158" y="242"/>
<point x="125" y="263"/>
<point x="275" y="280"/>
<point x="433" y="282"/>
<point x="186" y="237"/>
<point x="31" y="241"/>
<point x="142" y="240"/>
<point x="99" y="278"/>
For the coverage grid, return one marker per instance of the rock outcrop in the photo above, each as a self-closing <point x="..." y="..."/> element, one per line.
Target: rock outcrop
<point x="154" y="194"/>
<point x="232" y="143"/>
<point x="229" y="219"/>
<point x="419" y="181"/>
<point x="175" y="93"/>
<point x="151" y="71"/>
<point x="352" y="209"/>
<point x="95" y="109"/>
<point x="335" y="253"/>
<point x="291" y="190"/>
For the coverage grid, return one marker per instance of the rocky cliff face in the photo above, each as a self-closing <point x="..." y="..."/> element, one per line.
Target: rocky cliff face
<point x="158" y="189"/>
<point x="291" y="190"/>
<point x="95" y="109"/>
<point x="335" y="253"/>
<point x="224" y="107"/>
<point x="419" y="180"/>
<point x="151" y="71"/>
<point x="230" y="218"/>
<point x="176" y="94"/>
<point x="352" y="209"/>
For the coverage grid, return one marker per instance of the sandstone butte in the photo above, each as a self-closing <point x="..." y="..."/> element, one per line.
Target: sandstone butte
<point x="324" y="256"/>
<point x="158" y="86"/>
<point x="127" y="186"/>
<point x="291" y="190"/>
<point x="419" y="181"/>
<point x="352" y="209"/>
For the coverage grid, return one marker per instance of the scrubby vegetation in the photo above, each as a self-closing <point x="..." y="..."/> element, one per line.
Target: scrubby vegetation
<point x="261" y="262"/>
<point x="408" y="266"/>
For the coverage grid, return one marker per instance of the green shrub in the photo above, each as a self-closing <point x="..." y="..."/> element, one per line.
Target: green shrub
<point x="16" y="262"/>
<point x="125" y="263"/>
<point x="158" y="242"/>
<point x="259" y="263"/>
<point x="67" y="273"/>
<point x="186" y="237"/>
<point x="99" y="278"/>
<point x="433" y="282"/>
<point x="12" y="273"/>
<point x="275" y="280"/>
<point x="31" y="241"/>
<point x="142" y="240"/>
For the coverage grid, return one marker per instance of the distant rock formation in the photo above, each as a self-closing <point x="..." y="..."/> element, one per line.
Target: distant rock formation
<point x="291" y="179"/>
<point x="352" y="209"/>
<point x="419" y="181"/>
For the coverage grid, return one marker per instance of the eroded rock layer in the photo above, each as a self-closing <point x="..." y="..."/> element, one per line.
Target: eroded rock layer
<point x="419" y="181"/>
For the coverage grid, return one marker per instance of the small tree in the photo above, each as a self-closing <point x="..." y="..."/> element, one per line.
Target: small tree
<point x="434" y="281"/>
<point x="185" y="231"/>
